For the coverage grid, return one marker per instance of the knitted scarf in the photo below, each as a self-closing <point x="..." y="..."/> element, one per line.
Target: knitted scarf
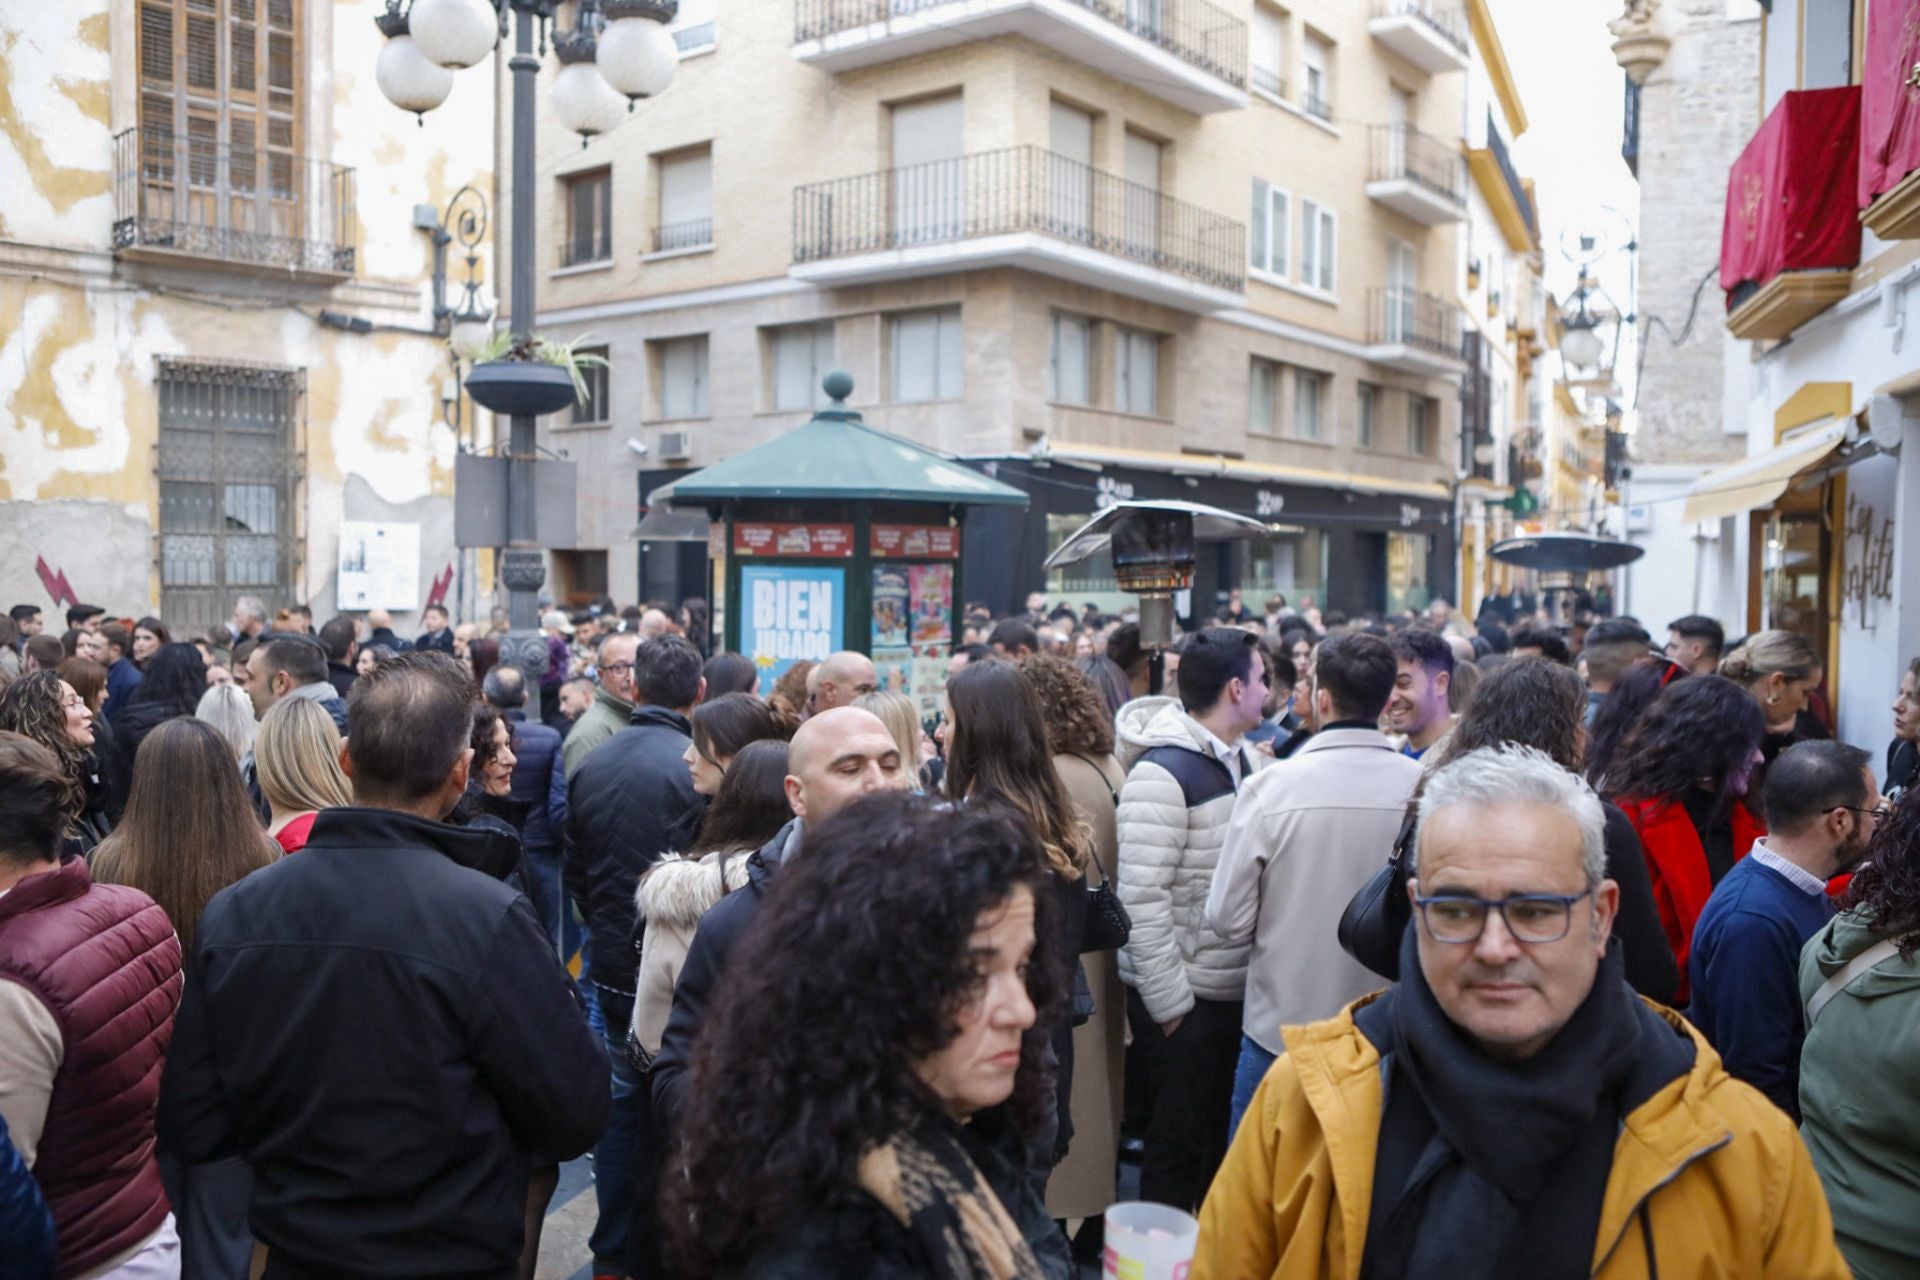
<point x="928" y="1183"/>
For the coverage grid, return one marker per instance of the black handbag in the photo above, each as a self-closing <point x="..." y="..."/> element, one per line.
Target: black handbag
<point x="1376" y="920"/>
<point x="1108" y="924"/>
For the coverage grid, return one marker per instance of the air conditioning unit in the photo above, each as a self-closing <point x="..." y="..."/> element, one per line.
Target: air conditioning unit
<point x="676" y="446"/>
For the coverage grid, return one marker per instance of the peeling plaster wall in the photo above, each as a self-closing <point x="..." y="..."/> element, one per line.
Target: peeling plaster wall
<point x="81" y="333"/>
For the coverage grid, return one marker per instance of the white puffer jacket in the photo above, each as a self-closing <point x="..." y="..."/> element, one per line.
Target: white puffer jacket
<point x="1168" y="852"/>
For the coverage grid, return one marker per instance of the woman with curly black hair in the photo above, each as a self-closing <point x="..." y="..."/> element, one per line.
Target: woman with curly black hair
<point x="1636" y="689"/>
<point x="879" y="1132"/>
<point x="1682" y="777"/>
<point x="1860" y="1114"/>
<point x="45" y="708"/>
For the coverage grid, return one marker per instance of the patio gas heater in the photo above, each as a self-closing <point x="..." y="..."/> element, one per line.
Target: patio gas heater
<point x="1153" y="549"/>
<point x="1566" y="563"/>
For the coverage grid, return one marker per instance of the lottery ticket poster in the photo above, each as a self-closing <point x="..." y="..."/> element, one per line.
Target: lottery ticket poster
<point x="890" y="617"/>
<point x="932" y="596"/>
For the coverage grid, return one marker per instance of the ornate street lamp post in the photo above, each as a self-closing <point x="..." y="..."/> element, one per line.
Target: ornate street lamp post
<point x="617" y="49"/>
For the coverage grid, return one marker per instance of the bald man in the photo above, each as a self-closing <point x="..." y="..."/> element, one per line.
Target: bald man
<point x="839" y="680"/>
<point x="837" y="756"/>
<point x="654" y="623"/>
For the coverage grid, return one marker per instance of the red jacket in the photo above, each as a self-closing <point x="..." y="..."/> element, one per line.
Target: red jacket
<point x="105" y="962"/>
<point x="1677" y="863"/>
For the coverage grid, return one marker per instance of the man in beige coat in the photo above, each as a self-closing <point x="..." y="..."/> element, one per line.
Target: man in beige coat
<point x="1304" y="837"/>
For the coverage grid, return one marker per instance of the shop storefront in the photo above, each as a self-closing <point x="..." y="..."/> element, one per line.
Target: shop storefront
<point x="1348" y="551"/>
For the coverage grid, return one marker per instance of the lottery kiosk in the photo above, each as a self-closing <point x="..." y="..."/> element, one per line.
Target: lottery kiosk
<point x="839" y="536"/>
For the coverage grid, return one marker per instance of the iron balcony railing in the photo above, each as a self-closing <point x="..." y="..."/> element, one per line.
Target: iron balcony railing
<point x="1510" y="175"/>
<point x="580" y="250"/>
<point x="1402" y="151"/>
<point x="1267" y="80"/>
<point x="1449" y="20"/>
<point x="696" y="233"/>
<point x="1414" y="319"/>
<point x="1018" y="189"/>
<point x="237" y="204"/>
<point x="1194" y="31"/>
<point x="1315" y="105"/>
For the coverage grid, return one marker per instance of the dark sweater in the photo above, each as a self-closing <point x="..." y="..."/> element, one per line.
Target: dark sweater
<point x="1745" y="972"/>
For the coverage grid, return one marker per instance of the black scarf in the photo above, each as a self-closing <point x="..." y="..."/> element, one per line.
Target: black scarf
<point x="1502" y="1166"/>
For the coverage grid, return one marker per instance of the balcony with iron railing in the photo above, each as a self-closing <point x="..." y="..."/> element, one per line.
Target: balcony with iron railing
<point x="683" y="237"/>
<point x="1431" y="34"/>
<point x="178" y="198"/>
<point x="1023" y="207"/>
<point x="1316" y="105"/>
<point x="1493" y="171"/>
<point x="587" y="248"/>
<point x="1187" y="52"/>
<point x="1417" y="175"/>
<point x="1413" y="332"/>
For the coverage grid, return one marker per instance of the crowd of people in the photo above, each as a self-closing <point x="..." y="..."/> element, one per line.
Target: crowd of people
<point x="1387" y="946"/>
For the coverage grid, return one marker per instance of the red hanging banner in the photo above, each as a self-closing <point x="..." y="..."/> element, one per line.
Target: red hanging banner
<point x="1789" y="195"/>
<point x="1890" y="97"/>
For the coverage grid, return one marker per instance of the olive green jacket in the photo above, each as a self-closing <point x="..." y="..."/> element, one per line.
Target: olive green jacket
<point x="607" y="716"/>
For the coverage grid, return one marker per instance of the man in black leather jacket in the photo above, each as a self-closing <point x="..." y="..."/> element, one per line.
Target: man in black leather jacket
<point x="378" y="1026"/>
<point x="622" y="803"/>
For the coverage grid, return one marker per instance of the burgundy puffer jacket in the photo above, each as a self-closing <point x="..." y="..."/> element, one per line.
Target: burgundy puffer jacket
<point x="105" y="961"/>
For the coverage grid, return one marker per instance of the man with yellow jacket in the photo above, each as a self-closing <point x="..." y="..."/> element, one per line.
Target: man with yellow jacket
<point x="1511" y="1109"/>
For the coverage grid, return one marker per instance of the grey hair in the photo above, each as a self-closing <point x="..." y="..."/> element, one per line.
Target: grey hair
<point x="1513" y="774"/>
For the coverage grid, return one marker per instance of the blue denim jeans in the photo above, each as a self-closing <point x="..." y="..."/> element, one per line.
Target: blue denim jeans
<point x="1254" y="1062"/>
<point x="613" y="1156"/>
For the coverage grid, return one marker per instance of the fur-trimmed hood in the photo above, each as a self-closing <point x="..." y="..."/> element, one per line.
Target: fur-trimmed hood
<point x="680" y="890"/>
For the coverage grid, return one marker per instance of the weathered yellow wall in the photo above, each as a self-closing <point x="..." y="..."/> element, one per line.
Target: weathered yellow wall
<point x="81" y="333"/>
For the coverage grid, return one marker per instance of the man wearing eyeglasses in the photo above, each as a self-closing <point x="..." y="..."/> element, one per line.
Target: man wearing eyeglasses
<point x="612" y="708"/>
<point x="1822" y="805"/>
<point x="1511" y="1108"/>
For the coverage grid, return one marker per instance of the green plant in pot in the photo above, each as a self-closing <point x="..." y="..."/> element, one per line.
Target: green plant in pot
<point x="525" y="374"/>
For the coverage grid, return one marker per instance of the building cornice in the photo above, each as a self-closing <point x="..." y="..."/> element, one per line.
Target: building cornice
<point x="1494" y="55"/>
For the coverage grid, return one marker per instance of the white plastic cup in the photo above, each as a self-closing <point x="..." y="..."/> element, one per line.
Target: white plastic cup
<point x="1147" y="1241"/>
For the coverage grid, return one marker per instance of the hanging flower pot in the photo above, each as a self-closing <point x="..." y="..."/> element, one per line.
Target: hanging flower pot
<point x="520" y="386"/>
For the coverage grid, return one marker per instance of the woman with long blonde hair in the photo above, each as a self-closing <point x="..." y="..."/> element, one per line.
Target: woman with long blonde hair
<point x="190" y="831"/>
<point x="296" y="756"/>
<point x="896" y="711"/>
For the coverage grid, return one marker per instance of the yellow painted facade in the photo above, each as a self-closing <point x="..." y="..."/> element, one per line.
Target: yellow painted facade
<point x="88" y="320"/>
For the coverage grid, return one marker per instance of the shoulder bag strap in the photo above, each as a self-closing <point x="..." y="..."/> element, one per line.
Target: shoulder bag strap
<point x="1099" y="773"/>
<point x="1832" y="987"/>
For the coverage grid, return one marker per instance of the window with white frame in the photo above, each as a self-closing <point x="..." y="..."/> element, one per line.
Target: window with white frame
<point x="692" y="27"/>
<point x="1268" y="62"/>
<point x="1369" y="414"/>
<point x="1269" y="228"/>
<point x="1316" y="87"/>
<point x="1263" y="398"/>
<point x="1419" y="426"/>
<point x="926" y="354"/>
<point x="686" y="200"/>
<point x="1308" y="389"/>
<point x="1317" y="245"/>
<point x="802" y="355"/>
<point x="1070" y="366"/>
<point x="682" y="363"/>
<point x="596" y="406"/>
<point x="1136" y="372"/>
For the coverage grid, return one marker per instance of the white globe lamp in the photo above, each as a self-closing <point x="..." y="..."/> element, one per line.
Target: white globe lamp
<point x="637" y="55"/>
<point x="1581" y="344"/>
<point x="454" y="33"/>
<point x="583" y="101"/>
<point x="409" y="79"/>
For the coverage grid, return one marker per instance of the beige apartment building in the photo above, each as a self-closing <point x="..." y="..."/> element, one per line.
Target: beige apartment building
<point x="1101" y="248"/>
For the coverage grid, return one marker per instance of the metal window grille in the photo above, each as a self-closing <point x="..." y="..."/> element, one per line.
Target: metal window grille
<point x="228" y="468"/>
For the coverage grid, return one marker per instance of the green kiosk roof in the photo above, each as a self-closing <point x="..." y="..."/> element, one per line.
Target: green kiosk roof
<point x="837" y="456"/>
